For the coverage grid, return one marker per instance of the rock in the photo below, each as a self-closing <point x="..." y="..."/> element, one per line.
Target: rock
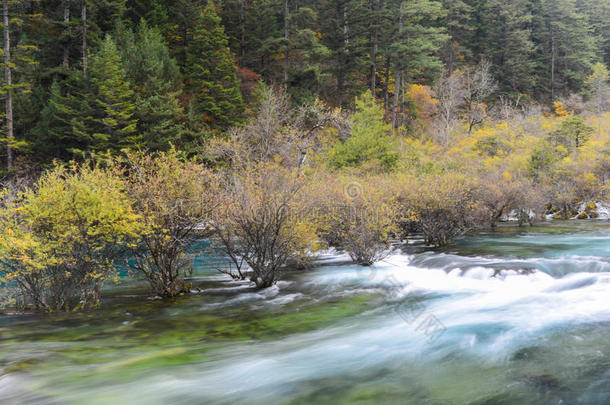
<point x="588" y="211"/>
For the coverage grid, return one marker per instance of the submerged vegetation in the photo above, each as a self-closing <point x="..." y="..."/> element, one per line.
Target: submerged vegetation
<point x="62" y="238"/>
<point x="135" y="130"/>
<point x="264" y="210"/>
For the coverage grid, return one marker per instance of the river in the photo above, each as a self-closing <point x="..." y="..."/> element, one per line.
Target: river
<point x="515" y="316"/>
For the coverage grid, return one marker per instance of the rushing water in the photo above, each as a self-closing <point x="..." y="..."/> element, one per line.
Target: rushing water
<point x="517" y="316"/>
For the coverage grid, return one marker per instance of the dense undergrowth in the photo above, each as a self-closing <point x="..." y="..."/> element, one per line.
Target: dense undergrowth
<point x="287" y="184"/>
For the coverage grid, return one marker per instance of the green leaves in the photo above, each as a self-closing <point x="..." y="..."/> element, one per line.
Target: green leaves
<point x="370" y="145"/>
<point x="211" y="74"/>
<point x="114" y="124"/>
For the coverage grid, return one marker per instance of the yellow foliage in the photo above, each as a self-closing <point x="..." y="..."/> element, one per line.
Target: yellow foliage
<point x="64" y="235"/>
<point x="561" y="110"/>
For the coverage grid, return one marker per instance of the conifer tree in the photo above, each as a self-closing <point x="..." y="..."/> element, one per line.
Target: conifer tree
<point x="114" y="124"/>
<point x="567" y="48"/>
<point x="211" y="74"/>
<point x="156" y="81"/>
<point x="345" y="25"/>
<point x="599" y="92"/>
<point x="17" y="61"/>
<point x="459" y="25"/>
<point x="64" y="129"/>
<point x="598" y="17"/>
<point x="507" y="44"/>
<point x="153" y="11"/>
<point x="415" y="47"/>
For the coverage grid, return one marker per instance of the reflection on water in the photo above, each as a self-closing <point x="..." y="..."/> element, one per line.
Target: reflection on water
<point x="509" y="317"/>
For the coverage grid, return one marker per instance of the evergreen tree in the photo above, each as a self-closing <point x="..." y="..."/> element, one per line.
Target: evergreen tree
<point x="508" y="45"/>
<point x="157" y="84"/>
<point x="64" y="127"/>
<point x="105" y="14"/>
<point x="458" y="22"/>
<point x="17" y="63"/>
<point x="598" y="17"/>
<point x="114" y="125"/>
<point x="153" y="11"/>
<point x="566" y="50"/>
<point x="599" y="92"/>
<point x="344" y="23"/>
<point x="210" y="72"/>
<point x="303" y="52"/>
<point x="370" y="143"/>
<point x="415" y="47"/>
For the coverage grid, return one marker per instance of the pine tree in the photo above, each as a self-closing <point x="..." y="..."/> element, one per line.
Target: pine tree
<point x="105" y="14"/>
<point x="566" y="50"/>
<point x="210" y="72"/>
<point x="303" y="53"/>
<point x="597" y="13"/>
<point x="415" y="47"/>
<point x="458" y="21"/>
<point x="114" y="124"/>
<point x="17" y="63"/>
<point x="64" y="129"/>
<point x="157" y="84"/>
<point x="598" y="90"/>
<point x="153" y="11"/>
<point x="345" y="24"/>
<point x="508" y="45"/>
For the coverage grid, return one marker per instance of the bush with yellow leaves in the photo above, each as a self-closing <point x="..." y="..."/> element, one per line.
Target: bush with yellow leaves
<point x="263" y="222"/>
<point x="173" y="197"/>
<point x="61" y="238"/>
<point x="358" y="214"/>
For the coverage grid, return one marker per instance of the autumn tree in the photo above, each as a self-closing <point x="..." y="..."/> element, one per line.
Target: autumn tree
<point x="445" y="208"/>
<point x="61" y="239"/>
<point x="358" y="215"/>
<point x="174" y="198"/>
<point x="479" y="85"/>
<point x="598" y="87"/>
<point x="263" y="224"/>
<point x="450" y="94"/>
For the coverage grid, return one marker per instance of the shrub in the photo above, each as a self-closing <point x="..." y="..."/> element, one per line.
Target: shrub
<point x="445" y="208"/>
<point x="499" y="193"/>
<point x="359" y="215"/>
<point x="263" y="222"/>
<point x="370" y="144"/>
<point x="62" y="237"/>
<point x="174" y="198"/>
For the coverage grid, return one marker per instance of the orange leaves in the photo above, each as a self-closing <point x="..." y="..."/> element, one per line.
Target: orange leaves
<point x="561" y="110"/>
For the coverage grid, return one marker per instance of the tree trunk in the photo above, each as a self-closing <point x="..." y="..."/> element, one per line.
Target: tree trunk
<point x="375" y="43"/>
<point x="396" y="96"/>
<point x="386" y="86"/>
<point x="552" y="63"/>
<point x="286" y="22"/>
<point x="398" y="78"/>
<point x="342" y="17"/>
<point x="84" y="18"/>
<point x="600" y="106"/>
<point x="66" y="61"/>
<point x="242" y="29"/>
<point x="9" y="82"/>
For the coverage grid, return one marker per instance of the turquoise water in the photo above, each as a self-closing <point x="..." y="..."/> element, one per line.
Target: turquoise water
<point x="509" y="317"/>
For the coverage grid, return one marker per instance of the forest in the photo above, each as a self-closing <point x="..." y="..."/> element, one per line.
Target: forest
<point x="276" y="130"/>
<point x="83" y="77"/>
